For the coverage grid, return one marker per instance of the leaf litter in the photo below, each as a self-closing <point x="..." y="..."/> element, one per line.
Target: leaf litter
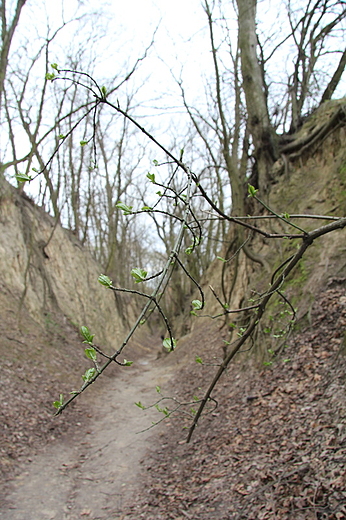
<point x="276" y="446"/>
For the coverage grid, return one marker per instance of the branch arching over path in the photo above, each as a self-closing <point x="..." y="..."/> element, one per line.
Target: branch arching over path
<point x="307" y="242"/>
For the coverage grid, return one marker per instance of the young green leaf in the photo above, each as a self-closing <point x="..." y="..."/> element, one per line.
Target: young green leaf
<point x="89" y="374"/>
<point x="88" y="338"/>
<point x="140" y="405"/>
<point x="127" y="363"/>
<point x="162" y="410"/>
<point x="104" y="280"/>
<point x="61" y="136"/>
<point x="104" y="91"/>
<point x="59" y="403"/>
<point x="155" y="162"/>
<point x="158" y="389"/>
<point x="222" y="259"/>
<point x="50" y="76"/>
<point x="241" y="331"/>
<point x="54" y="66"/>
<point x="90" y="353"/>
<point x="22" y="177"/>
<point x="197" y="305"/>
<point x="138" y="274"/>
<point x="232" y="325"/>
<point x="151" y="177"/>
<point x="83" y="143"/>
<point x="147" y="208"/>
<point x="199" y="360"/>
<point x="126" y="209"/>
<point x="168" y="344"/>
<point x="251" y="190"/>
<point x="196" y="242"/>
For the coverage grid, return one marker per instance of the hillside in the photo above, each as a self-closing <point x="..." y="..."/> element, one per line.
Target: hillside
<point x="48" y="290"/>
<point x="274" y="448"/>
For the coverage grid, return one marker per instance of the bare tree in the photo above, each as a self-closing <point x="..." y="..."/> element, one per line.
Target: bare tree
<point x="69" y="185"/>
<point x="262" y="132"/>
<point x="7" y="32"/>
<point x="310" y="31"/>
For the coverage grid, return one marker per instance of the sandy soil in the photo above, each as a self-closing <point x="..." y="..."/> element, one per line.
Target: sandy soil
<point x="91" y="472"/>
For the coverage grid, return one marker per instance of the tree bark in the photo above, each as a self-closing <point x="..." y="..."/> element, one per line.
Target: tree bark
<point x="6" y="39"/>
<point x="262" y="132"/>
<point x="327" y="94"/>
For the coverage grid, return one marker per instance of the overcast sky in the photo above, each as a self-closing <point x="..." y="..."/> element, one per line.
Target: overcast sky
<point x="181" y="40"/>
<point x="122" y="29"/>
<point x="127" y="28"/>
<point x="117" y="34"/>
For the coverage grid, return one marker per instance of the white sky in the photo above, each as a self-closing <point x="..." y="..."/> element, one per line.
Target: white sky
<point x="182" y="42"/>
<point x="126" y="26"/>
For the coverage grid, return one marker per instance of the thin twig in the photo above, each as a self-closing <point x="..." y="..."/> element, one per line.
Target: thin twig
<point x="307" y="241"/>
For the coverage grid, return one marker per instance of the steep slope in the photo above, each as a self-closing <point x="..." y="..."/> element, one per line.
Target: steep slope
<point x="275" y="446"/>
<point x="47" y="270"/>
<point x="48" y="289"/>
<point x="308" y="180"/>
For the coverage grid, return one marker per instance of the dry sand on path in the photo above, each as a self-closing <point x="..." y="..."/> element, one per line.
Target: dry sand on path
<point x="92" y="472"/>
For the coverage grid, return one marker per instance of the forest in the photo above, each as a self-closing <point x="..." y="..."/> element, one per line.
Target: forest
<point x="180" y="190"/>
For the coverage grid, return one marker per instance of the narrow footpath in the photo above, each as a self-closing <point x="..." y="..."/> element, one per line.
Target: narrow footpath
<point x="90" y="473"/>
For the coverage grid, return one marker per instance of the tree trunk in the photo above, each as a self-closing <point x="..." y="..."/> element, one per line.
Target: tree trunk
<point x="327" y="94"/>
<point x="262" y="132"/>
<point x="6" y="39"/>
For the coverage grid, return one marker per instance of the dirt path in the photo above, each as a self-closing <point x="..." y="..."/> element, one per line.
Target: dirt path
<point x="90" y="474"/>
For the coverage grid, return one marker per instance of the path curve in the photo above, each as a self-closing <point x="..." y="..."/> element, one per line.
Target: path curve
<point x="91" y="473"/>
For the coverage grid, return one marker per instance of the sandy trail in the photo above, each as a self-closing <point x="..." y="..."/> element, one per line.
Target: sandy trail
<point x="91" y="473"/>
